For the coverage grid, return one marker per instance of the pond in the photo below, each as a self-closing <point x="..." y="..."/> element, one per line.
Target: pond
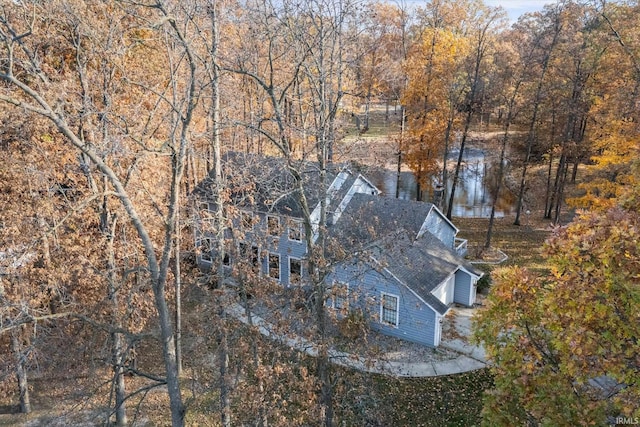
<point x="474" y="194"/>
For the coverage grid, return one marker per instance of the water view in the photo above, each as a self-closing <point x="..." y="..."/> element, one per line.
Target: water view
<point x="474" y="192"/>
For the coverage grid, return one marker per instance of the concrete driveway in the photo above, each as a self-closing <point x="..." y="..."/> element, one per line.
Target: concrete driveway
<point x="461" y="356"/>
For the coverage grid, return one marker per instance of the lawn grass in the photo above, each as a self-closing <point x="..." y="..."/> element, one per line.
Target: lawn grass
<point x="453" y="400"/>
<point x="522" y="244"/>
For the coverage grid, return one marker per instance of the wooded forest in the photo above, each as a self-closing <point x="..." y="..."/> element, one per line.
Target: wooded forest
<point x="114" y="111"/>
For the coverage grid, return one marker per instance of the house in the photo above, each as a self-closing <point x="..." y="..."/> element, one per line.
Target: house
<point x="397" y="261"/>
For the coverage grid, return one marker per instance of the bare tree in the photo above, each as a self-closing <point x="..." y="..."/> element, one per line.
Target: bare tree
<point x="304" y="51"/>
<point x="547" y="50"/>
<point x="28" y="86"/>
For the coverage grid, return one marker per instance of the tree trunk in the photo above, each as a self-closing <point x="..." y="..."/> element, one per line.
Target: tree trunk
<point x="560" y="192"/>
<point x="554" y="189"/>
<point x="534" y="118"/>
<point x="223" y="355"/>
<point x="262" y="413"/>
<point x="367" y="107"/>
<point x="445" y="160"/>
<point x="487" y="243"/>
<point x="574" y="173"/>
<point x="322" y="362"/>
<point x="480" y="50"/>
<point x="523" y="180"/>
<point x="547" y="195"/>
<point x="178" y="290"/>
<point x="399" y="168"/>
<point x="118" y="378"/>
<point x="456" y="174"/>
<point x="503" y="151"/>
<point x="21" y="370"/>
<point x="225" y="403"/>
<point x="117" y="341"/>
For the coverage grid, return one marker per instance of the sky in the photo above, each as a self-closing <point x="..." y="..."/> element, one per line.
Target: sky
<point x="515" y="8"/>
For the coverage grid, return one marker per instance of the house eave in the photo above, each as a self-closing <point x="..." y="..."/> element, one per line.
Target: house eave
<point x="434" y="207"/>
<point x="386" y="270"/>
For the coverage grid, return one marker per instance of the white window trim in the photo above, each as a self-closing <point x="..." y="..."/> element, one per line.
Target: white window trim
<point x="301" y="269"/>
<point x="243" y="226"/>
<point x="279" y="226"/>
<point x="298" y="224"/>
<point x="209" y="258"/>
<point x="346" y="297"/>
<point x="382" y="295"/>
<point x="249" y="252"/>
<point x="279" y="266"/>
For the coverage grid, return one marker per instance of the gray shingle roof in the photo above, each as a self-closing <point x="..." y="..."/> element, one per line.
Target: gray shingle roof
<point x="421" y="264"/>
<point x="368" y="218"/>
<point x="265" y="184"/>
<point x="386" y="228"/>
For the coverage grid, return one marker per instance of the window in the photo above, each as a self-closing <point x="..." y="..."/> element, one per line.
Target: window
<point x="295" y="230"/>
<point x="340" y="294"/>
<point x="247" y="220"/>
<point x="205" y="250"/>
<point x="243" y="249"/>
<point x="389" y="309"/>
<point x="249" y="253"/>
<point x="274" y="266"/>
<point x="206" y="217"/>
<point x="273" y="225"/>
<point x="203" y="210"/>
<point x="295" y="271"/>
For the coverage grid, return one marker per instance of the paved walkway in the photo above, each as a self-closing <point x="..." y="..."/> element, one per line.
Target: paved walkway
<point x="469" y="357"/>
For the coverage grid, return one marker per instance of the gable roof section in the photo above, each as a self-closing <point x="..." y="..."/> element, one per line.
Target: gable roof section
<point x="442" y="216"/>
<point x="418" y="264"/>
<point x="264" y="184"/>
<point x="368" y="218"/>
<point x="343" y="182"/>
<point x="421" y="265"/>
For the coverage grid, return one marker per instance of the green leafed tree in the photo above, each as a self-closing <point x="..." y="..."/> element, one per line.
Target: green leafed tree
<point x="565" y="346"/>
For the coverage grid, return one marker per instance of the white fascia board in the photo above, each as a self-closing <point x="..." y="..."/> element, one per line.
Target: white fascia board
<point x="376" y="189"/>
<point x="434" y="207"/>
<point x="460" y="267"/>
<point x="335" y="185"/>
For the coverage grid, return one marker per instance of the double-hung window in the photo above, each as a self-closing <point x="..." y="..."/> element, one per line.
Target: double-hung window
<point x="340" y="294"/>
<point x="274" y="266"/>
<point x="389" y="306"/>
<point x="273" y="225"/>
<point x="295" y="230"/>
<point x="295" y="271"/>
<point x="206" y="245"/>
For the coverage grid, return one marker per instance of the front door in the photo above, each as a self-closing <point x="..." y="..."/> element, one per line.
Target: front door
<point x="437" y="331"/>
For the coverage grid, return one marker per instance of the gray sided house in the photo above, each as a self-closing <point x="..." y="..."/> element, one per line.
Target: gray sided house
<point x="397" y="261"/>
